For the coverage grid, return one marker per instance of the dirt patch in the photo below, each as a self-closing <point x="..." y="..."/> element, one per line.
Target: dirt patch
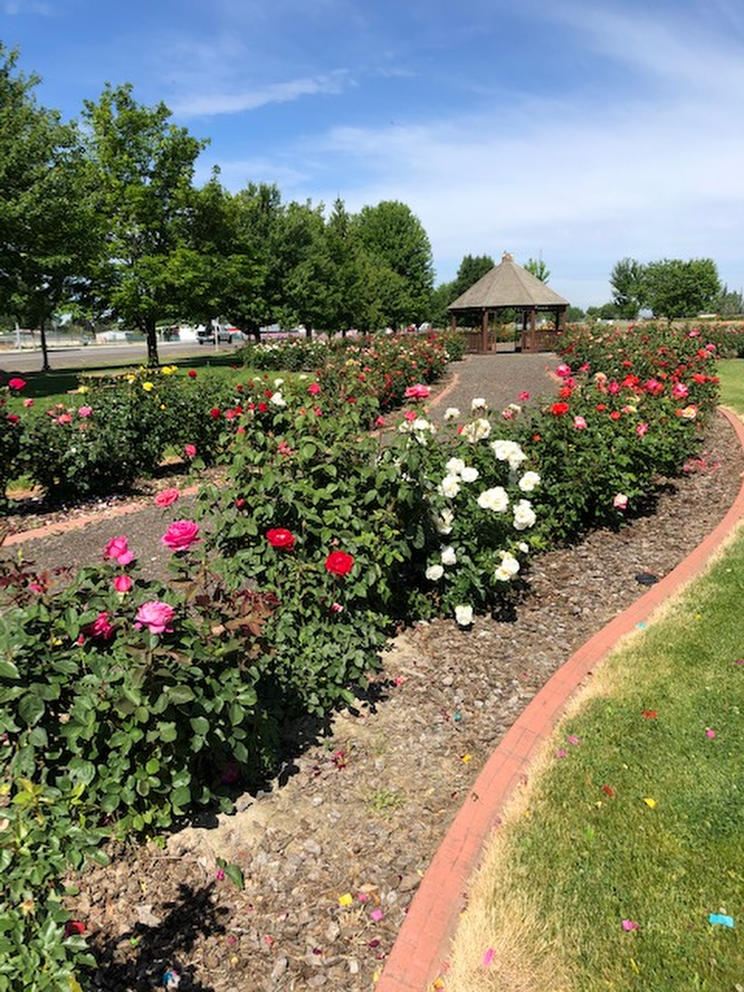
<point x="334" y="849"/>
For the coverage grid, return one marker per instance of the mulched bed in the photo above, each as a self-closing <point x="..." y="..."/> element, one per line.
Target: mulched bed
<point x="334" y="849"/>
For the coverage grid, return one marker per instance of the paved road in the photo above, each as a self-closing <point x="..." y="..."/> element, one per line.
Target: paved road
<point x="104" y="354"/>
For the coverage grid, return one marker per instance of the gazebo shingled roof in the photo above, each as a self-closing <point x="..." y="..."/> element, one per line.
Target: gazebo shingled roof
<point x="507" y="285"/>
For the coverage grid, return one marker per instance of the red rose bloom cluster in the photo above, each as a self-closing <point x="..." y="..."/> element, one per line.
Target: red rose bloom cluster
<point x="279" y="537"/>
<point x="339" y="563"/>
<point x="559" y="409"/>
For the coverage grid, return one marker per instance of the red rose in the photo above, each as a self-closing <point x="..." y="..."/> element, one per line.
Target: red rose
<point x="601" y="407"/>
<point x="192" y="373"/>
<point x="262" y="408"/>
<point x="279" y="537"/>
<point x="559" y="409"/>
<point x="339" y="563"/>
<point x="16" y="383"/>
<point x="214" y="413"/>
<point x="615" y="415"/>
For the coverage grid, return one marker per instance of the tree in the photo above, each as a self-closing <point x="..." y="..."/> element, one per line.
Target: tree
<point x="574" y="315"/>
<point x="443" y="295"/>
<point x="395" y="240"/>
<point x="471" y="269"/>
<point x="143" y="168"/>
<point x="48" y="229"/>
<point x="538" y="268"/>
<point x="628" y="281"/>
<point x="730" y="302"/>
<point x="677" y="288"/>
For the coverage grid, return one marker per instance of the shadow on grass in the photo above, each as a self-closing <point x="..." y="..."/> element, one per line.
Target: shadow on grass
<point x="138" y="958"/>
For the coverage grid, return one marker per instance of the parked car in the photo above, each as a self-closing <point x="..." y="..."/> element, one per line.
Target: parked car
<point x="220" y="335"/>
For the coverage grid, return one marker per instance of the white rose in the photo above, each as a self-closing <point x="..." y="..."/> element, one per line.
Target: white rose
<point x="478" y="404"/>
<point x="469" y="474"/>
<point x="278" y="382"/>
<point x="451" y="413"/>
<point x="477" y="430"/>
<point x="494" y="499"/>
<point x="449" y="486"/>
<point x="524" y="515"/>
<point x="523" y="547"/>
<point x="278" y="400"/>
<point x="443" y="522"/>
<point x="464" y="615"/>
<point x="455" y="466"/>
<point x="503" y="449"/>
<point x="502" y="574"/>
<point x="448" y="555"/>
<point x="509" y="562"/>
<point x="423" y="425"/>
<point x="528" y="481"/>
<point x="434" y="573"/>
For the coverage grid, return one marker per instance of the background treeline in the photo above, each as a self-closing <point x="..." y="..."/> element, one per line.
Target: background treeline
<point x="102" y="217"/>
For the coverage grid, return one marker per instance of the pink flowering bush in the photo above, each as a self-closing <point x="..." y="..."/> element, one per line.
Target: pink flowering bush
<point x="137" y="693"/>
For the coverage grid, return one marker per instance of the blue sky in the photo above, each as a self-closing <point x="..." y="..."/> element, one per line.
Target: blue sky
<point x="580" y="131"/>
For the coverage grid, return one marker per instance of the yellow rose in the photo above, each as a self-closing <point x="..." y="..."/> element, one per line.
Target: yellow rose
<point x="147" y="386"/>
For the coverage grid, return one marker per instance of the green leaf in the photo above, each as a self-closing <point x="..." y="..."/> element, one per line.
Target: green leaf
<point x="168" y="732"/>
<point x="30" y="709"/>
<point x="8" y="670"/>
<point x="235" y="875"/>
<point x="200" y="725"/>
<point x="181" y="797"/>
<point x="180" y="693"/>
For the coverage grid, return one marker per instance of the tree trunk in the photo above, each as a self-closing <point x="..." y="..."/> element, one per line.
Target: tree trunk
<point x="45" y="366"/>
<point x="152" y="342"/>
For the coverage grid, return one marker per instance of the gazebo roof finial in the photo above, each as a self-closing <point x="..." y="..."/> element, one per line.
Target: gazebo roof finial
<point x="507" y="257"/>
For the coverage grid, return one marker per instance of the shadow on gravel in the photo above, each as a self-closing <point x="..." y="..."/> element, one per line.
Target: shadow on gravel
<point x="140" y="957"/>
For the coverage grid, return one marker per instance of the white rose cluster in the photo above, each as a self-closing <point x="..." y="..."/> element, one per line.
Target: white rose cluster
<point x="477" y="430"/>
<point x="524" y="515"/>
<point x="451" y="413"/>
<point x="494" y="499"/>
<point x="443" y="522"/>
<point x="448" y="555"/>
<point x="449" y="486"/>
<point x="278" y="400"/>
<point x="529" y="481"/>
<point x="464" y="615"/>
<point x="434" y="573"/>
<point x="508" y="568"/>
<point x="420" y="428"/>
<point x="508" y="451"/>
<point x="458" y="468"/>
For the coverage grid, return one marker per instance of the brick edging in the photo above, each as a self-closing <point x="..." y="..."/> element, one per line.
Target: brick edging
<point x="422" y="946"/>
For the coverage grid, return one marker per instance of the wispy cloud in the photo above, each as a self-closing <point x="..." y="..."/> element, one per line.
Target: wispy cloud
<point x="205" y="104"/>
<point x="14" y="8"/>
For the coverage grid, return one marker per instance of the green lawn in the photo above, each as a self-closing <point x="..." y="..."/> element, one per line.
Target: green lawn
<point x="637" y="816"/>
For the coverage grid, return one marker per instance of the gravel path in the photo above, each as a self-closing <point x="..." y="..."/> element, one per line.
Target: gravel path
<point x="334" y="849"/>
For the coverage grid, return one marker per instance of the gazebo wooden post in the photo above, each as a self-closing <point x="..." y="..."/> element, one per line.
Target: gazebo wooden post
<point x="533" y="329"/>
<point x="453" y="323"/>
<point x="484" y="331"/>
<point x="523" y="341"/>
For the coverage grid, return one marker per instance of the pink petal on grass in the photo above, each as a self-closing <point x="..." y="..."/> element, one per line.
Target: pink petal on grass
<point x="631" y="925"/>
<point x="488" y="957"/>
<point x="561" y="752"/>
<point x="376" y="915"/>
<point x="573" y="739"/>
<point x="709" y="732"/>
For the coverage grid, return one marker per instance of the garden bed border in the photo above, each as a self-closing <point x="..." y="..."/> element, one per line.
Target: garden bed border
<point x="419" y="956"/>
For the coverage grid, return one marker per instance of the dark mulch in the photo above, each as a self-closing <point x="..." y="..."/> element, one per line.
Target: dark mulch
<point x="359" y="813"/>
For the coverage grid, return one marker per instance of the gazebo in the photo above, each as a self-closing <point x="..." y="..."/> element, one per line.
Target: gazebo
<point x="508" y="286"/>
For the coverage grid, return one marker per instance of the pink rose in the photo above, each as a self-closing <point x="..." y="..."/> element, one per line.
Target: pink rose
<point x="156" y="616"/>
<point x="563" y="370"/>
<point x="28" y="401"/>
<point x="118" y="550"/>
<point x="620" y="502"/>
<point x="122" y="583"/>
<point x="167" y="497"/>
<point x="641" y="429"/>
<point x="181" y="535"/>
<point x="313" y="389"/>
<point x="680" y="391"/>
<point x="417" y="392"/>
<point x="64" y="418"/>
<point x="189" y="450"/>
<point x="16" y="383"/>
<point x="101" y="627"/>
<point x="579" y="423"/>
<point x="85" y="411"/>
<point x="524" y="396"/>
